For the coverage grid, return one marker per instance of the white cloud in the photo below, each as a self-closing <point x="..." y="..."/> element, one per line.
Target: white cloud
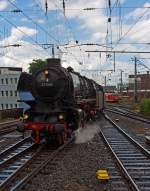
<point x="3" y="4"/>
<point x="18" y="33"/>
<point x="24" y="20"/>
<point x="41" y="21"/>
<point x="23" y="55"/>
<point x="139" y="11"/>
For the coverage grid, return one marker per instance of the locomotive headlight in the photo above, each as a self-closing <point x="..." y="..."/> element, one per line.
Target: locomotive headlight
<point x="61" y="116"/>
<point x="46" y="72"/>
<point x="26" y="116"/>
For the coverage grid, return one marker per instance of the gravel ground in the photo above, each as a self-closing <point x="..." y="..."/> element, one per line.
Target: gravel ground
<point x="76" y="170"/>
<point x="133" y="127"/>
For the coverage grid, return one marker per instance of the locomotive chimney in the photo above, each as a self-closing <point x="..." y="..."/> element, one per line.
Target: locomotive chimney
<point x="53" y="62"/>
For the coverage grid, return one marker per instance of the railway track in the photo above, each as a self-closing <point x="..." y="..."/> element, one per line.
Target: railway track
<point x="127" y="113"/>
<point x="13" y="158"/>
<point x="31" y="166"/>
<point x="131" y="157"/>
<point x="8" y="127"/>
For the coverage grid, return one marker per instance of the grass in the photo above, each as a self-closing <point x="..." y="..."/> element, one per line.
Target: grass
<point x="145" y="107"/>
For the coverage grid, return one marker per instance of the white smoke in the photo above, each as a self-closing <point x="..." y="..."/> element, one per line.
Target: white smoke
<point x="86" y="134"/>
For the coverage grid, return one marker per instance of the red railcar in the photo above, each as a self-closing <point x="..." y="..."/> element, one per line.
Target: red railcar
<point x="111" y="97"/>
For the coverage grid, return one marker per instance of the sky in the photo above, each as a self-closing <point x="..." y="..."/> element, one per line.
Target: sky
<point x="28" y="24"/>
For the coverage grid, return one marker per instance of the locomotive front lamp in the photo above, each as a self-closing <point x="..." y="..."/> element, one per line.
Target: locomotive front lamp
<point x="26" y="116"/>
<point x="61" y="117"/>
<point x="46" y="72"/>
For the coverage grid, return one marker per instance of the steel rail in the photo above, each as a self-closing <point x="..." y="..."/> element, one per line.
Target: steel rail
<point x="16" y="183"/>
<point x="9" y="122"/>
<point x="8" y="126"/>
<point x="26" y="179"/>
<point x="128" y="114"/>
<point x="14" y="157"/>
<point x="131" y="157"/>
<point x="144" y="150"/>
<point x="125" y="172"/>
<point x="9" y="157"/>
<point x="14" y="146"/>
<point x="6" y="131"/>
<point x="9" y="180"/>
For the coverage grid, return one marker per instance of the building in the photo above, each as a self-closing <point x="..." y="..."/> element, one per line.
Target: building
<point x="110" y="88"/>
<point x="9" y="77"/>
<point x="142" y="87"/>
<point x="122" y="88"/>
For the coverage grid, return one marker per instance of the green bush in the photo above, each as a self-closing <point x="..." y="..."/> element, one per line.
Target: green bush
<point x="145" y="106"/>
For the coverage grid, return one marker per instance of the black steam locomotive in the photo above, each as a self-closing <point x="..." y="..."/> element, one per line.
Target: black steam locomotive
<point x="59" y="101"/>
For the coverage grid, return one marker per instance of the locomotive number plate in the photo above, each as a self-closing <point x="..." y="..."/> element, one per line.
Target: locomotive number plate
<point x="45" y="84"/>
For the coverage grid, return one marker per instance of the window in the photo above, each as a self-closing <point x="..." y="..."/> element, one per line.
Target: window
<point x="15" y="93"/>
<point x="15" y="80"/>
<point x="2" y="106"/>
<point x="11" y="80"/>
<point x="6" y="106"/>
<point x="2" y="92"/>
<point x="6" y="81"/>
<point x="2" y="81"/>
<point x="6" y="93"/>
<point x="11" y="93"/>
<point x="11" y="106"/>
<point x="15" y="105"/>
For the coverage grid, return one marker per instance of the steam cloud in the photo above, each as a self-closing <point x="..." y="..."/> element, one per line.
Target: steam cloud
<point x="86" y="134"/>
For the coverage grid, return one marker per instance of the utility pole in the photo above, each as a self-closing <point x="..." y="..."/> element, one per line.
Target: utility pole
<point x="114" y="62"/>
<point x="53" y="51"/>
<point x="135" y="80"/>
<point x="105" y="83"/>
<point x="121" y="81"/>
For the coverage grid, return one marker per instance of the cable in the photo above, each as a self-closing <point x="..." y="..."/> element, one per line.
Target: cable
<point x="52" y="37"/>
<point x="69" y="26"/>
<point x="120" y="19"/>
<point x="21" y="30"/>
<point x="77" y="9"/>
<point x="115" y="5"/>
<point x="125" y="34"/>
<point x="12" y="58"/>
<point x="36" y="23"/>
<point x="97" y="8"/>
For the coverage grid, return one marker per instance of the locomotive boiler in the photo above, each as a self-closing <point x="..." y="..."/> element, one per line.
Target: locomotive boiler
<point x="58" y="101"/>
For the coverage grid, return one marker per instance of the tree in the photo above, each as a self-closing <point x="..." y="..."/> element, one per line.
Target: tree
<point x="36" y="64"/>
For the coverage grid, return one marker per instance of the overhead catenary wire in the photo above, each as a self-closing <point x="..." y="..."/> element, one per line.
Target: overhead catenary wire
<point x="74" y="9"/>
<point x="11" y="57"/>
<point x="132" y="26"/>
<point x="29" y="18"/>
<point x="71" y="30"/>
<point x="34" y="22"/>
<point x="32" y="39"/>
